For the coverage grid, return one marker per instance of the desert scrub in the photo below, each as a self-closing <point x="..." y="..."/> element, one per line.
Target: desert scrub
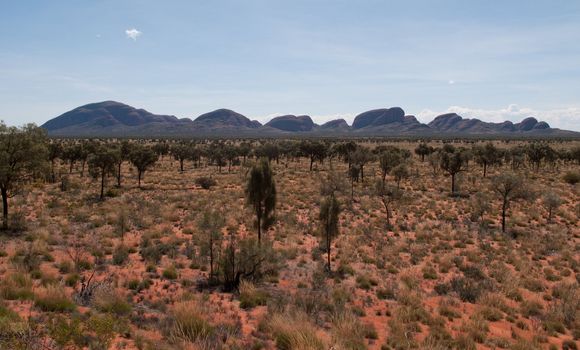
<point x="293" y="331"/>
<point x="348" y="332"/>
<point x="107" y="299"/>
<point x="187" y="323"/>
<point x="53" y="298"/>
<point x="251" y="296"/>
<point x="16" y="286"/>
<point x="170" y="273"/>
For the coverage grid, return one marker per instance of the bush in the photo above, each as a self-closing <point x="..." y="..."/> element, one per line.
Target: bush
<point x="170" y="273"/>
<point x="188" y="323"/>
<point x="205" y="182"/>
<point x="572" y="177"/>
<point x="250" y="296"/>
<point x="54" y="299"/>
<point x="16" y="286"/>
<point x="293" y="331"/>
<point x="120" y="255"/>
<point x="106" y="299"/>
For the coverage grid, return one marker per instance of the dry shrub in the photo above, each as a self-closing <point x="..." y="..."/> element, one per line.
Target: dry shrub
<point x="348" y="332"/>
<point x="294" y="331"/>
<point x="188" y="324"/>
<point x="53" y="298"/>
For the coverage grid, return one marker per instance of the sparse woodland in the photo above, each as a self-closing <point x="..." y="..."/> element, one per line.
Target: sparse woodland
<point x="288" y="244"/>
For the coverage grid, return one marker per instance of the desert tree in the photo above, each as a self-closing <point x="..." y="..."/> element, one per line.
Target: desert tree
<point x="314" y="150"/>
<point x="353" y="175"/>
<point x="423" y="150"/>
<point x="400" y="172"/>
<point x="23" y="154"/>
<point x="142" y="158"/>
<point x="434" y="160"/>
<point x="480" y="206"/>
<point x="487" y="156"/>
<point x="54" y="152"/>
<point x="261" y="195"/>
<point x="360" y="158"/>
<point x="181" y="152"/>
<point x="535" y="152"/>
<point x="71" y="154"/>
<point x="210" y="224"/>
<point x="344" y="151"/>
<point x="124" y="150"/>
<point x="388" y="160"/>
<point x="102" y="163"/>
<point x="329" y="222"/>
<point x="388" y="194"/>
<point x="161" y="149"/>
<point x="510" y="187"/>
<point x="85" y="148"/>
<point x="551" y="202"/>
<point x="452" y="163"/>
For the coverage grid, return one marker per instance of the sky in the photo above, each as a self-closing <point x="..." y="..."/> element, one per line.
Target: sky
<point x="493" y="60"/>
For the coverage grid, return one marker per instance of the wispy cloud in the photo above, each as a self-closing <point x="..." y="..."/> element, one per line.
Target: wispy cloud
<point x="133" y="34"/>
<point x="563" y="118"/>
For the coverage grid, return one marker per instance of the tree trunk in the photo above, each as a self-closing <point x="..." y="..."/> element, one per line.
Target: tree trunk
<point x="71" y="167"/>
<point x="83" y="168"/>
<point x="4" y="208"/>
<point x="211" y="257"/>
<point x="119" y="174"/>
<point x="259" y="220"/>
<point x="139" y="175"/>
<point x="452" y="183"/>
<point x="503" y="212"/>
<point x="484" y="169"/>
<point x="181" y="165"/>
<point x="328" y="250"/>
<point x="311" y="162"/>
<point x="103" y="184"/>
<point x="362" y="173"/>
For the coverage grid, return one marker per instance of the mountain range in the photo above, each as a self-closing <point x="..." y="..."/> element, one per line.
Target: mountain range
<point x="115" y="119"/>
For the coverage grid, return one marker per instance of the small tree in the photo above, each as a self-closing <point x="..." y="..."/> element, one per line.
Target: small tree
<point x="23" y="153"/>
<point x="388" y="195"/>
<point x="210" y="225"/>
<point x="142" y="158"/>
<point x="480" y="205"/>
<point x="180" y="153"/>
<point x="101" y="164"/>
<point x="353" y="174"/>
<point x="124" y="150"/>
<point x="452" y="163"/>
<point x="423" y="150"/>
<point x="551" y="202"/>
<point x="261" y="195"/>
<point x="360" y="158"/>
<point x="329" y="212"/>
<point x="388" y="160"/>
<point x="486" y="156"/>
<point x="510" y="187"/>
<point x="54" y="153"/>
<point x="400" y="172"/>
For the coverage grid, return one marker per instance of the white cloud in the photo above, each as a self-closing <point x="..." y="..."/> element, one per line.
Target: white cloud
<point x="451" y="82"/>
<point x="563" y="118"/>
<point x="133" y="33"/>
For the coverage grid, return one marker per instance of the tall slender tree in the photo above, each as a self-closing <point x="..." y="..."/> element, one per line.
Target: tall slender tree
<point x="510" y="187"/>
<point x="329" y="223"/>
<point x="142" y="158"/>
<point x="261" y="195"/>
<point x="452" y="163"/>
<point x="23" y="153"/>
<point x="101" y="164"/>
<point x="211" y="223"/>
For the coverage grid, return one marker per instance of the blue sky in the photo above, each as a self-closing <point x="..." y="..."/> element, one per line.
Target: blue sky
<point x="326" y="58"/>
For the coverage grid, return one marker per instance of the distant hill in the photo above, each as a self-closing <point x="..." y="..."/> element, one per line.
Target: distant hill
<point x="292" y="123"/>
<point x="224" y="119"/>
<point x="453" y="123"/>
<point x="115" y="119"/>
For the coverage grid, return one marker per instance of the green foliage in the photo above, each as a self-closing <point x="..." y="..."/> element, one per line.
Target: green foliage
<point x="261" y="195"/>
